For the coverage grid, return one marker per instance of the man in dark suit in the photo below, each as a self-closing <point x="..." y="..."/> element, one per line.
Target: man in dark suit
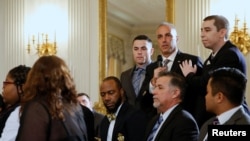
<point x="142" y="52"/>
<point x="225" y="93"/>
<point x="214" y="35"/>
<point x="123" y="121"/>
<point x="177" y="124"/>
<point x="84" y="100"/>
<point x="167" y="41"/>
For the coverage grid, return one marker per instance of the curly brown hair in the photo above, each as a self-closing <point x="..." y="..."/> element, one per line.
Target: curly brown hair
<point x="50" y="80"/>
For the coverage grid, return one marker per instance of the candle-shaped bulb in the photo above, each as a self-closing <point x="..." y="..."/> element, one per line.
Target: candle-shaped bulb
<point x="38" y="39"/>
<point x="55" y="36"/>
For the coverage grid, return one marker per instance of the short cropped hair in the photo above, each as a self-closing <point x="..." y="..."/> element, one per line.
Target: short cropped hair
<point x="83" y="94"/>
<point x="142" y="37"/>
<point x="231" y="82"/>
<point x="220" y="22"/>
<point x="176" y="80"/>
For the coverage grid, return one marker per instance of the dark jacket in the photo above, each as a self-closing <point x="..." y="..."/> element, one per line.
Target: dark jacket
<point x="179" y="126"/>
<point x="130" y="123"/>
<point x="190" y="99"/>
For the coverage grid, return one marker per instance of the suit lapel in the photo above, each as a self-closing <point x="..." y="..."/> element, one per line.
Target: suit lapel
<point x="119" y="123"/>
<point x="176" y="62"/>
<point x="105" y="128"/>
<point x="168" y="121"/>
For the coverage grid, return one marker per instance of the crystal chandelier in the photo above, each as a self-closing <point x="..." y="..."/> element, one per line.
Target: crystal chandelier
<point x="240" y="37"/>
<point x="43" y="47"/>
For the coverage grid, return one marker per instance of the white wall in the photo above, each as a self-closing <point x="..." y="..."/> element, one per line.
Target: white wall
<point x="77" y="36"/>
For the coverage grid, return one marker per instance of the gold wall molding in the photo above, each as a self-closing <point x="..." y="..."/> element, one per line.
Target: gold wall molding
<point x="170" y="11"/>
<point x="102" y="39"/>
<point x="98" y="106"/>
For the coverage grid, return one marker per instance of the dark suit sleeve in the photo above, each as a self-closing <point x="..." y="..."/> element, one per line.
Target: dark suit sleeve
<point x="145" y="97"/>
<point x="186" y="130"/>
<point x="227" y="57"/>
<point x="135" y="126"/>
<point x="89" y="119"/>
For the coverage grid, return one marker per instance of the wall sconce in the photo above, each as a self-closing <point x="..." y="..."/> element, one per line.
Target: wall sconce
<point x="240" y="37"/>
<point x="43" y="47"/>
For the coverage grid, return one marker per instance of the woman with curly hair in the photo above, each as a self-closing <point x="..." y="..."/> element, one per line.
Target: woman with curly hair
<point x="12" y="92"/>
<point x="49" y="107"/>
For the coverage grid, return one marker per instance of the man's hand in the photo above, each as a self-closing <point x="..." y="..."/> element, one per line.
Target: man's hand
<point x="187" y="67"/>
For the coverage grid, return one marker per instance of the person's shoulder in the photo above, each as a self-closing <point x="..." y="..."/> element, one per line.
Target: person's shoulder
<point x="35" y="104"/>
<point x="152" y="65"/>
<point x="98" y="114"/>
<point x="188" y="55"/>
<point x="127" y="71"/>
<point x="230" y="47"/>
<point x="182" y="112"/>
<point x="127" y="109"/>
<point x="241" y="117"/>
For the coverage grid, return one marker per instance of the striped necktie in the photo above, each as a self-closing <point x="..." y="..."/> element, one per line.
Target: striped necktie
<point x="137" y="80"/>
<point x="156" y="126"/>
<point x="165" y="63"/>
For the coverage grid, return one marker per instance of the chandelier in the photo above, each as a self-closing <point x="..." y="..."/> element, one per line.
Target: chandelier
<point x="240" y="37"/>
<point x="43" y="47"/>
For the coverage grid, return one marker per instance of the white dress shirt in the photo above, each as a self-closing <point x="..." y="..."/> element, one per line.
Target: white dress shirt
<point x="11" y="126"/>
<point x="112" y="125"/>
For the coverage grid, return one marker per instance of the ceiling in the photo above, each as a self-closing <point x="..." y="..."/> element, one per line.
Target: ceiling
<point x="137" y="13"/>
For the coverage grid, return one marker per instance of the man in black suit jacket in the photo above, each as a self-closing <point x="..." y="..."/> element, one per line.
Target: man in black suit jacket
<point x="123" y="121"/>
<point x="84" y="100"/>
<point x="142" y="52"/>
<point x="177" y="124"/>
<point x="214" y="35"/>
<point x="167" y="41"/>
<point x="225" y="93"/>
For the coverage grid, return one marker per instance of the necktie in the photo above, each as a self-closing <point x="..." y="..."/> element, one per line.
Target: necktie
<point x="165" y="63"/>
<point x="216" y="121"/>
<point x="137" y="80"/>
<point x="111" y="117"/>
<point x="156" y="126"/>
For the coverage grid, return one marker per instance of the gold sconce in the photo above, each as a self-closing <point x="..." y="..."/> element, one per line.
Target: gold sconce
<point x="43" y="47"/>
<point x="240" y="37"/>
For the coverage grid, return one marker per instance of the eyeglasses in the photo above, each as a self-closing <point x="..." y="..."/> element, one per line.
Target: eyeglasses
<point x="7" y="82"/>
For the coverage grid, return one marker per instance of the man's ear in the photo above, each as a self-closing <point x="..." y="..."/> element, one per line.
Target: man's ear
<point x="176" y="93"/>
<point x="223" y="32"/>
<point x="220" y="97"/>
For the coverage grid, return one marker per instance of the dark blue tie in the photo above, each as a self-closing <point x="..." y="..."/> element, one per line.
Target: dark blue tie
<point x="156" y="126"/>
<point x="137" y="80"/>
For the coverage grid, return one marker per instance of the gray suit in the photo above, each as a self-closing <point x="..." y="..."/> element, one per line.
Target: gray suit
<point x="127" y="85"/>
<point x="238" y="118"/>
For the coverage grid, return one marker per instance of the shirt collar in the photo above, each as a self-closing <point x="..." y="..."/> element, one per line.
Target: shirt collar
<point x="172" y="56"/>
<point x="226" y="115"/>
<point x="143" y="66"/>
<point x="166" y="113"/>
<point x="118" y="109"/>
